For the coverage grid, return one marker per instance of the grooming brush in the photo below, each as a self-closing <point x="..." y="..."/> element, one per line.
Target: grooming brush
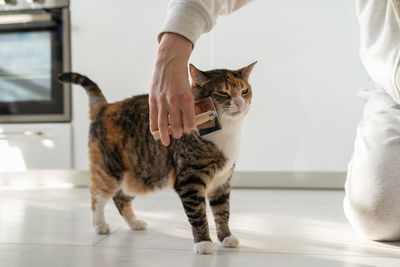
<point x="206" y="118"/>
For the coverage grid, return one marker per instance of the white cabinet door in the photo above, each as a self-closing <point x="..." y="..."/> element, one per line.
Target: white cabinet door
<point x="35" y="146"/>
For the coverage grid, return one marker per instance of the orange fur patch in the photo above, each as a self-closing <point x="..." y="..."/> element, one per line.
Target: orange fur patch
<point x="114" y="132"/>
<point x="100" y="181"/>
<point x="134" y="185"/>
<point x="235" y="86"/>
<point x="172" y="176"/>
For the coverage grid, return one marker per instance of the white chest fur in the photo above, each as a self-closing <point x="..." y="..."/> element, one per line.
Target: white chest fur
<point x="228" y="141"/>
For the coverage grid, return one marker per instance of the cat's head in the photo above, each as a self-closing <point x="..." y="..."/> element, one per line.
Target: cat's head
<point x="229" y="89"/>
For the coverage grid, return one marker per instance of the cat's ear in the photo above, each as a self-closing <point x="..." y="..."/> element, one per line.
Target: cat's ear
<point x="198" y="77"/>
<point x="245" y="72"/>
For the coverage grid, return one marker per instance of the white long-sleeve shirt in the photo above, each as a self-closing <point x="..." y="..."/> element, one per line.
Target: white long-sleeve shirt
<point x="380" y="42"/>
<point x="191" y="18"/>
<point x="379" y="28"/>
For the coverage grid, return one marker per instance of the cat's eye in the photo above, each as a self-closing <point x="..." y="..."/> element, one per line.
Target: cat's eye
<point x="245" y="91"/>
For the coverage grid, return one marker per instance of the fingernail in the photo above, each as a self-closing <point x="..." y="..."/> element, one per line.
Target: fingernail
<point x="166" y="143"/>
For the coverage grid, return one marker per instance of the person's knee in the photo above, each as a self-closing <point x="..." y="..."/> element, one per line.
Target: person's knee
<point x="372" y="202"/>
<point x="376" y="217"/>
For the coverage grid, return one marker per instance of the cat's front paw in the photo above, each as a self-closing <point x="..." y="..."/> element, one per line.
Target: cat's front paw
<point x="203" y="247"/>
<point x="138" y="225"/>
<point x="102" y="228"/>
<point x="230" y="242"/>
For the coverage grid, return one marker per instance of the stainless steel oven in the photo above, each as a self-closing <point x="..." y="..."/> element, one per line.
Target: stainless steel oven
<point x="34" y="49"/>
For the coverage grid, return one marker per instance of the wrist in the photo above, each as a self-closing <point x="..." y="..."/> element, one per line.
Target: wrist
<point x="174" y="47"/>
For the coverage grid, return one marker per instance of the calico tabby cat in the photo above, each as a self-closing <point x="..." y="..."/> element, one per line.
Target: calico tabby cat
<point x="126" y="161"/>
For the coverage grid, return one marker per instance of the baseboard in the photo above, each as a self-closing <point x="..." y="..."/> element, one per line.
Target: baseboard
<point x="241" y="179"/>
<point x="303" y="180"/>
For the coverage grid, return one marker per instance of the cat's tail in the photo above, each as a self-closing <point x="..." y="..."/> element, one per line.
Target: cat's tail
<point x="93" y="91"/>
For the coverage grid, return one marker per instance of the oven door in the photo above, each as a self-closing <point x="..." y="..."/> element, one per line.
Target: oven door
<point x="34" y="49"/>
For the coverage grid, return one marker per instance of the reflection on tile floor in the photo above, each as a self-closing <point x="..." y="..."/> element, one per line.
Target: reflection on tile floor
<point x="276" y="228"/>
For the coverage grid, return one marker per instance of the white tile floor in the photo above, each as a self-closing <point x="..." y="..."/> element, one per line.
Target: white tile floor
<point x="275" y="227"/>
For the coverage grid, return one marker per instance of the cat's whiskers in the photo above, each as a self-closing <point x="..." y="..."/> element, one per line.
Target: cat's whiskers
<point x="256" y="107"/>
<point x="259" y="112"/>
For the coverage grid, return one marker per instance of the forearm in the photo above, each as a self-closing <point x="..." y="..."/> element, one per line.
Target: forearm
<point x="174" y="47"/>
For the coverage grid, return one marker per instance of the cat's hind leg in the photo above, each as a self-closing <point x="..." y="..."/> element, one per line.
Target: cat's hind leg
<point x="98" y="221"/>
<point x="124" y="206"/>
<point x="102" y="188"/>
<point x="219" y="203"/>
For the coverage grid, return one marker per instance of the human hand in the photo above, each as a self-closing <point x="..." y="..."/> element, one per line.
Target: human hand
<point x="171" y="99"/>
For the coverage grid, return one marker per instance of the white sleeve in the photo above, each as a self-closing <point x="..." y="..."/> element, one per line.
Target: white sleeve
<point x="191" y="18"/>
<point x="380" y="42"/>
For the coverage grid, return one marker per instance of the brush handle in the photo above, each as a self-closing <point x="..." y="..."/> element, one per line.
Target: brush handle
<point x="200" y="119"/>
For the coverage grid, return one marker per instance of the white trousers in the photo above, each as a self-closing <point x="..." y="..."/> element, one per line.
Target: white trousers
<point x="372" y="201"/>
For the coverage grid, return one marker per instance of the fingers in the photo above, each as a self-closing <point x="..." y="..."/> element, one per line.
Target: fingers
<point x="153" y="114"/>
<point x="175" y="117"/>
<point x="179" y="110"/>
<point x="188" y="114"/>
<point x="163" y="122"/>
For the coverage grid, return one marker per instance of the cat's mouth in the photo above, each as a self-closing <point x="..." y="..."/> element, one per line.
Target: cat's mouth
<point x="235" y="113"/>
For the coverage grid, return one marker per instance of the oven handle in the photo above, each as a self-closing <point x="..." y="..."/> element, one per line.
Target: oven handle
<point x="25" y="18"/>
<point x="24" y="133"/>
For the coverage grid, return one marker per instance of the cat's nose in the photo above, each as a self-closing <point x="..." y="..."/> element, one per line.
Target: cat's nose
<point x="238" y="102"/>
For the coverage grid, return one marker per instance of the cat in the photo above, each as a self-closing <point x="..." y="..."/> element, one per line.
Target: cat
<point x="126" y="161"/>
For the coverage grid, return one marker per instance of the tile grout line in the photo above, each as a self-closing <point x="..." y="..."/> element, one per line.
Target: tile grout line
<point x="219" y="251"/>
<point x="106" y="236"/>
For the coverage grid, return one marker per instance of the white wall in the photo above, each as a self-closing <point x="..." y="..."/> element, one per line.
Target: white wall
<point x="305" y="84"/>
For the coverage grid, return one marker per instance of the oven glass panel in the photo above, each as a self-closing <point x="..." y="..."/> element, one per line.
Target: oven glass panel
<point x="31" y="57"/>
<point x="27" y="74"/>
